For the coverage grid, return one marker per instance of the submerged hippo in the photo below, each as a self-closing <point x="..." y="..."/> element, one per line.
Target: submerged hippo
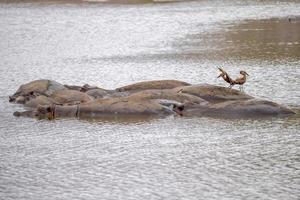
<point x="152" y="98"/>
<point x="84" y="88"/>
<point x="35" y="88"/>
<point x="48" y="92"/>
<point x="213" y="93"/>
<point x="148" y="85"/>
<point x="59" y="97"/>
<point x="105" y="107"/>
<point x="102" y="93"/>
<point x="251" y="108"/>
<point x="70" y="97"/>
<point x="167" y="94"/>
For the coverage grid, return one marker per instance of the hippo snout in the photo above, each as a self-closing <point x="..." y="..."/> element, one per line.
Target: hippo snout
<point x="17" y="114"/>
<point x="11" y="99"/>
<point x="178" y="108"/>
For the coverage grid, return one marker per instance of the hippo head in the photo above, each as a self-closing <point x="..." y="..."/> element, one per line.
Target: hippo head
<point x="44" y="112"/>
<point x="41" y="112"/>
<point x="22" y="98"/>
<point x="33" y="89"/>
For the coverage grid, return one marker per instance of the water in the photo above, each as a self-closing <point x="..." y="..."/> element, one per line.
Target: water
<point x="111" y="45"/>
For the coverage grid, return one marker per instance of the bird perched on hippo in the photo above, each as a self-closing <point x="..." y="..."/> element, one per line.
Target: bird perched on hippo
<point x="239" y="81"/>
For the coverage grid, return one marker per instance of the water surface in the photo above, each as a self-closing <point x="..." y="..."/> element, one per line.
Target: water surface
<point x="111" y="45"/>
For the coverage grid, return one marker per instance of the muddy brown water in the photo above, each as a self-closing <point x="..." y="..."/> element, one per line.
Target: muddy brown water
<point x="111" y="45"/>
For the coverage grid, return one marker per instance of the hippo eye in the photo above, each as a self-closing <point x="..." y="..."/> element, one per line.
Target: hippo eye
<point x="48" y="109"/>
<point x="180" y="108"/>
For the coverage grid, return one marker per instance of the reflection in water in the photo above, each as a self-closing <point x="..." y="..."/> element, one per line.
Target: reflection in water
<point x="122" y="119"/>
<point x="271" y="39"/>
<point x="264" y="39"/>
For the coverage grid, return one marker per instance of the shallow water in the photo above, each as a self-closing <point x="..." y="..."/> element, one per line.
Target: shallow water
<point x="173" y="158"/>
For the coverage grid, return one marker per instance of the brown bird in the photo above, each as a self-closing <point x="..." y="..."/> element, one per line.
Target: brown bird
<point x="239" y="81"/>
<point x="226" y="77"/>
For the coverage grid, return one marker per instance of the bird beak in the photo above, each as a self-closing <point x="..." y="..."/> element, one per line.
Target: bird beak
<point x="219" y="76"/>
<point x="246" y="74"/>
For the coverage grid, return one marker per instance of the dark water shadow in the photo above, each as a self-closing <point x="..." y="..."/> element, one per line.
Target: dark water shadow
<point x="267" y="39"/>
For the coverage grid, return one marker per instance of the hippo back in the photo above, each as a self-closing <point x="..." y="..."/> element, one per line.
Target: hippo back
<point x="148" y="85"/>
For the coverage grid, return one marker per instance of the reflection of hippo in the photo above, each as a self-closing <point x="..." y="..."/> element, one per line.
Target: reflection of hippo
<point x="151" y="98"/>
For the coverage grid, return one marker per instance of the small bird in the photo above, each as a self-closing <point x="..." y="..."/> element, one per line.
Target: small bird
<point x="226" y="77"/>
<point x="239" y="81"/>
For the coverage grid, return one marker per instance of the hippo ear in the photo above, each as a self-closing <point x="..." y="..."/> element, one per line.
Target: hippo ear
<point x="181" y="107"/>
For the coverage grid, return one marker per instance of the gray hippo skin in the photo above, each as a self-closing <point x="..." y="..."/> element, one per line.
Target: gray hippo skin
<point x="148" y="85"/>
<point x="35" y="88"/>
<point x="105" y="107"/>
<point x="70" y="97"/>
<point x="238" y="109"/>
<point x="48" y="92"/>
<point x="213" y="93"/>
<point x="59" y="97"/>
<point x="152" y="98"/>
<point x="229" y="103"/>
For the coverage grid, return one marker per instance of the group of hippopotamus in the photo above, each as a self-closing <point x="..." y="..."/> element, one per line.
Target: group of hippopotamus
<point x="47" y="99"/>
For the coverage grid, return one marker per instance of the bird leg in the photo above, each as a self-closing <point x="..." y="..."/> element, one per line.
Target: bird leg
<point x="241" y="88"/>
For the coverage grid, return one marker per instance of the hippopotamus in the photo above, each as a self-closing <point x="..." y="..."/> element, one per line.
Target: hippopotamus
<point x="148" y="85"/>
<point x="39" y="100"/>
<point x="213" y="93"/>
<point x="84" y="88"/>
<point x="100" y="93"/>
<point x="35" y="88"/>
<point x="48" y="92"/>
<point x="59" y="97"/>
<point x="228" y="103"/>
<point x="251" y="108"/>
<point x="70" y="97"/>
<point x="106" y="107"/>
<point x="152" y="98"/>
<point x="167" y="94"/>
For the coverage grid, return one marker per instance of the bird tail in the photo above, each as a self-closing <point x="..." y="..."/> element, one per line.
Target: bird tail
<point x="225" y="76"/>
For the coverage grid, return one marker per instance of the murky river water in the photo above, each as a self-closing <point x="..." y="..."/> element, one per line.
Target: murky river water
<point x="173" y="158"/>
